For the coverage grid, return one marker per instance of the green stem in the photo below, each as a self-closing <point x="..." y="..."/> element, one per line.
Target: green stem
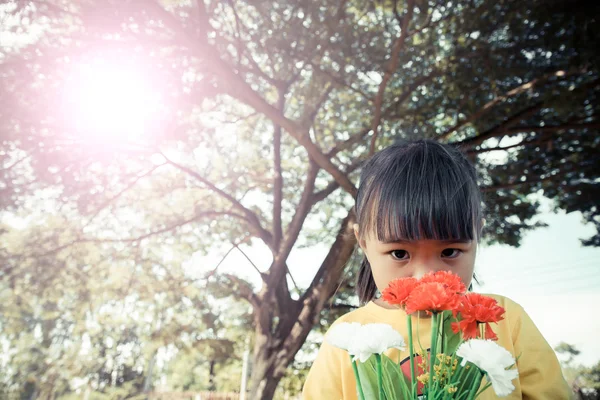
<point x="379" y="377"/>
<point x="475" y="387"/>
<point x="462" y="382"/>
<point x="413" y="381"/>
<point x="483" y="389"/>
<point x="456" y="379"/>
<point x="361" y="394"/>
<point x="432" y="355"/>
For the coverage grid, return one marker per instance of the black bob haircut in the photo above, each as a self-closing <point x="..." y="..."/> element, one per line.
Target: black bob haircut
<point x="415" y="190"/>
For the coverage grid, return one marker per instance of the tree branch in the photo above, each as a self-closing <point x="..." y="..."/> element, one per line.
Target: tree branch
<point x="141" y="237"/>
<point x="262" y="275"/>
<point x="339" y="81"/>
<point x="397" y="47"/>
<point x="564" y="170"/>
<point x="528" y="182"/>
<point x="333" y="185"/>
<point x="415" y="85"/>
<point x="121" y="192"/>
<point x="552" y="128"/>
<point x="535" y="141"/>
<point x="234" y="246"/>
<point x="501" y="128"/>
<point x="278" y="178"/>
<point x="346" y="144"/>
<point x="54" y="9"/>
<point x="357" y="138"/>
<point x="251" y="217"/>
<point x="278" y="268"/>
<point x="513" y="92"/>
<point x="239" y="89"/>
<point x="244" y="290"/>
<point x="331" y="270"/>
<point x="203" y="18"/>
<point x="214" y="270"/>
<point x="14" y="164"/>
<point x="293" y="280"/>
<point x="238" y="119"/>
<point x="246" y="94"/>
<point x="312" y="301"/>
<point x="309" y="118"/>
<point x="257" y="69"/>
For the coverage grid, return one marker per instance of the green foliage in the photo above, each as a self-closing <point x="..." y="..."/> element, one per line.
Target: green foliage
<point x="448" y="342"/>
<point x="584" y="381"/>
<point x="395" y="384"/>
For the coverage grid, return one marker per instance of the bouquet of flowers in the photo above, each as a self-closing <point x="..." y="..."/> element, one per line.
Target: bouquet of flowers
<point x="463" y="349"/>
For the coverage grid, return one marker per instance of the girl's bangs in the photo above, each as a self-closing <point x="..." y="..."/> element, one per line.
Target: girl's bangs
<point x="422" y="211"/>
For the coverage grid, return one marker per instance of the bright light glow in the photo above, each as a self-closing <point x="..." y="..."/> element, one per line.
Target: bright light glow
<point x="109" y="100"/>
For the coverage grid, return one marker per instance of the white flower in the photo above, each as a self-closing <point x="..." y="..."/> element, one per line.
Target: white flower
<point x="493" y="360"/>
<point x="362" y="341"/>
<point x="343" y="335"/>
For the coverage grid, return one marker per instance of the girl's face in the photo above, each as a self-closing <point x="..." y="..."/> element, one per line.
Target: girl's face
<point x="390" y="261"/>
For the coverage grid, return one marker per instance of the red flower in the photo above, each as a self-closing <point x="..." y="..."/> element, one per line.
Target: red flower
<point x="451" y="281"/>
<point x="398" y="291"/>
<point x="477" y="309"/>
<point x="431" y="297"/>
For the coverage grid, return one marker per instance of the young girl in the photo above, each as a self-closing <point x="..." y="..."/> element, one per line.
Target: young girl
<point x="418" y="210"/>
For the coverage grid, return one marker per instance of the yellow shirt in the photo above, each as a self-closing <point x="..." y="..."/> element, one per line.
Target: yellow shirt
<point x="540" y="377"/>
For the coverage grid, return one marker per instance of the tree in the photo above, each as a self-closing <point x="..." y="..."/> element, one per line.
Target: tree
<point x="584" y="381"/>
<point x="92" y="313"/>
<point x="283" y="102"/>
<point x="567" y="349"/>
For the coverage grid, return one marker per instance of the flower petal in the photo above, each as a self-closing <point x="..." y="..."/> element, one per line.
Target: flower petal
<point x="343" y="335"/>
<point x="362" y="341"/>
<point x="491" y="359"/>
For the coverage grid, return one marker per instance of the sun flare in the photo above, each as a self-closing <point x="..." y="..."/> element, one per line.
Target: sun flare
<point x="108" y="100"/>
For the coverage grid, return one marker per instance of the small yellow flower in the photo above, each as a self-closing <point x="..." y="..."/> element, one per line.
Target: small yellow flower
<point x="452" y="389"/>
<point x="423" y="378"/>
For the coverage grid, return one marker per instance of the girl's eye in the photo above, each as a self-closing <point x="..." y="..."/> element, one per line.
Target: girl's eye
<point x="451" y="253"/>
<point x="399" y="254"/>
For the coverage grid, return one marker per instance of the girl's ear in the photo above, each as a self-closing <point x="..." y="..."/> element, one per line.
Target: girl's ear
<point x="361" y="242"/>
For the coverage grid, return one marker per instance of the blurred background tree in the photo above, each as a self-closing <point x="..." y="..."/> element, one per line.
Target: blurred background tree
<point x="585" y="381"/>
<point x="136" y="134"/>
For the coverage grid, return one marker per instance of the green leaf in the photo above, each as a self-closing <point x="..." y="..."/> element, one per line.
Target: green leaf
<point x="450" y="340"/>
<point x="465" y="378"/>
<point x="395" y="384"/>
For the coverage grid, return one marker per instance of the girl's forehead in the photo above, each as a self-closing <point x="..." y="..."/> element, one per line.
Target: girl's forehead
<point x="420" y="242"/>
<point x="402" y="235"/>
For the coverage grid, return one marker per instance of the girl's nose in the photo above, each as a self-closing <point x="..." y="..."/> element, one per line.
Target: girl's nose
<point x="420" y="268"/>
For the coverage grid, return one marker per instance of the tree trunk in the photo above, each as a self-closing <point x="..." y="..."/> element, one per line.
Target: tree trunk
<point x="211" y="375"/>
<point x="30" y="391"/>
<point x="276" y="344"/>
<point x="263" y="381"/>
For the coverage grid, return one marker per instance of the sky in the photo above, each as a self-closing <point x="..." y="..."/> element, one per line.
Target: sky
<point x="551" y="275"/>
<point x="554" y="278"/>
